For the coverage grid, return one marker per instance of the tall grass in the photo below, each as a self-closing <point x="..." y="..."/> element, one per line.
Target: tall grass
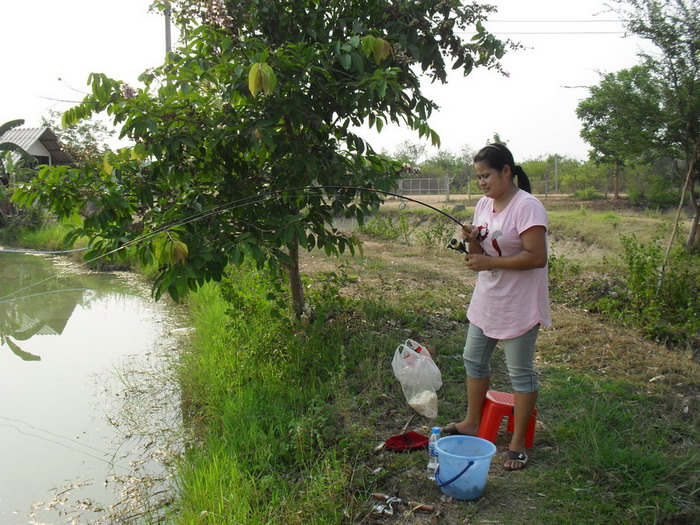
<point x="49" y="237"/>
<point x="259" y="393"/>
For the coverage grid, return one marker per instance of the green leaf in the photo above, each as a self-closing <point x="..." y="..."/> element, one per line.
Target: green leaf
<point x="346" y="61"/>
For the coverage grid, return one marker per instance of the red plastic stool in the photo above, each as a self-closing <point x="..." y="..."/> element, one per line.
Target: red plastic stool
<point x="498" y="405"/>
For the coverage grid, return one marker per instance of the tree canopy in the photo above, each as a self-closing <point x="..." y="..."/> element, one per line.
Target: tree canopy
<point x="674" y="29"/>
<point x="621" y="118"/>
<point x="260" y="97"/>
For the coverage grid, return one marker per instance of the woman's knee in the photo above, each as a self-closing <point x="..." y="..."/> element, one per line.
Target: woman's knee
<point x="476" y="369"/>
<point x="524" y="382"/>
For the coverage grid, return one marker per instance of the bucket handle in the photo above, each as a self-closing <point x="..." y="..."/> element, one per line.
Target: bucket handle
<point x="443" y="483"/>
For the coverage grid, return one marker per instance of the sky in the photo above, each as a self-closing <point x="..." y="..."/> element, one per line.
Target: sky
<point x="49" y="48"/>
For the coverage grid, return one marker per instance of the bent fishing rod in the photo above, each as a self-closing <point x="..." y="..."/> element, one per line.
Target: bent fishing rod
<point x="454" y="244"/>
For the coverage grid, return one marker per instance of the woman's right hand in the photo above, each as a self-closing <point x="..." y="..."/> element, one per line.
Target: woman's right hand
<point x="470" y="232"/>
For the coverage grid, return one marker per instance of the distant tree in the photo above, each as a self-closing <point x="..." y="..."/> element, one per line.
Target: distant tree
<point x="673" y="27"/>
<point x="409" y="152"/>
<point x="466" y="176"/>
<point x="569" y="170"/>
<point x="621" y="119"/>
<point x="442" y="163"/>
<point x="497" y="139"/>
<point x="261" y="97"/>
<point x="86" y="141"/>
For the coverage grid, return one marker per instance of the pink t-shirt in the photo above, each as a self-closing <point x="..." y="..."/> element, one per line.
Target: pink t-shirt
<point x="507" y="303"/>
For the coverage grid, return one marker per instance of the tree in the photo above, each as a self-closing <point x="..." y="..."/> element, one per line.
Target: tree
<point x="673" y="27"/>
<point x="8" y="168"/>
<point x="409" y="152"/>
<point x="261" y="97"/>
<point x="621" y="118"/>
<point x="442" y="164"/>
<point x="86" y="142"/>
<point x="10" y="147"/>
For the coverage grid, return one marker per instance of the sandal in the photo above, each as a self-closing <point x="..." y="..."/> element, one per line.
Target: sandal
<point x="514" y="455"/>
<point x="451" y="430"/>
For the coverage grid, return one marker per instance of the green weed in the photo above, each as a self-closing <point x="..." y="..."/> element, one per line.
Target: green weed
<point x="389" y="226"/>
<point x="438" y="232"/>
<point x="619" y="458"/>
<point x="664" y="303"/>
<point x="261" y="395"/>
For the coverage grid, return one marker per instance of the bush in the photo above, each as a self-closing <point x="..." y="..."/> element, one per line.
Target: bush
<point x="663" y="302"/>
<point x="384" y="227"/>
<point x="438" y="232"/>
<point x="658" y="194"/>
<point x="589" y="194"/>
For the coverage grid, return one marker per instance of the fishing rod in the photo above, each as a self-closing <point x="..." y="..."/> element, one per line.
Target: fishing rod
<point x="454" y="244"/>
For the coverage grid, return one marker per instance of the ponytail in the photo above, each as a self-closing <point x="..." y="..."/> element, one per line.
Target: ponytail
<point x="523" y="180"/>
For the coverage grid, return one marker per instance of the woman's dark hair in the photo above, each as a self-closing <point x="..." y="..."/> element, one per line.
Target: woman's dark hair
<point x="496" y="156"/>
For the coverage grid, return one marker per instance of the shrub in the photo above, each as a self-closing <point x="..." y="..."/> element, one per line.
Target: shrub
<point x="384" y="227"/>
<point x="663" y="302"/>
<point x="589" y="194"/>
<point x="438" y="232"/>
<point x="658" y="193"/>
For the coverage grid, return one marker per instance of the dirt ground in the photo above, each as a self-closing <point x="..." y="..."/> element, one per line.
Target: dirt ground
<point x="577" y="340"/>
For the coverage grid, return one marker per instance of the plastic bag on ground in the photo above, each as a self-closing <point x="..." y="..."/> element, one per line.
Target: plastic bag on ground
<point x="419" y="376"/>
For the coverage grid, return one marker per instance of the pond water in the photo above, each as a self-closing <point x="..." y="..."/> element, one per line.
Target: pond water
<point x="89" y="406"/>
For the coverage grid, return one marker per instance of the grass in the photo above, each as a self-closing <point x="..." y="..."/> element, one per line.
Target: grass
<point x="635" y="468"/>
<point x="258" y="395"/>
<point x="49" y="237"/>
<point x="613" y="444"/>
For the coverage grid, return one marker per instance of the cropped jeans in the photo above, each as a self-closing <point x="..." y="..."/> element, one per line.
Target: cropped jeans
<point x="519" y="352"/>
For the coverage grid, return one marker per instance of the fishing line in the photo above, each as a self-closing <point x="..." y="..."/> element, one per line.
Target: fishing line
<point x="38" y="294"/>
<point x="246" y="201"/>
<point x="55" y="442"/>
<point x="60" y="436"/>
<point x="41" y="252"/>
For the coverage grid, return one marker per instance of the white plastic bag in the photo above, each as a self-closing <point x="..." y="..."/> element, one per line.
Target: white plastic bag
<point x="419" y="376"/>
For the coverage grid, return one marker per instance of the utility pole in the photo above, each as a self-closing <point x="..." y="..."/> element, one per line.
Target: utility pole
<point x="168" y="44"/>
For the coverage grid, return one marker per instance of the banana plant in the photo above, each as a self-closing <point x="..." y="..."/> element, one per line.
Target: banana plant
<point x="6" y="164"/>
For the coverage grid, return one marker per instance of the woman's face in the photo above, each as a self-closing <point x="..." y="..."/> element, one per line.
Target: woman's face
<point x="494" y="183"/>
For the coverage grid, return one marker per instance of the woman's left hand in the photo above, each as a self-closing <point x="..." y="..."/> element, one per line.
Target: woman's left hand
<point x="477" y="262"/>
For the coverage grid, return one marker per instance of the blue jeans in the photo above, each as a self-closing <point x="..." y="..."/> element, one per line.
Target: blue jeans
<point x="520" y="357"/>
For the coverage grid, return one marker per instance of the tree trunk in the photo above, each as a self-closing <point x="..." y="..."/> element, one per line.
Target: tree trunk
<point x="694" y="233"/>
<point x="295" y="280"/>
<point x="692" y="179"/>
<point x="616" y="180"/>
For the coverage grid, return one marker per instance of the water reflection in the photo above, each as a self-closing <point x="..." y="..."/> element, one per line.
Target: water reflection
<point x="44" y="311"/>
<point x="76" y="348"/>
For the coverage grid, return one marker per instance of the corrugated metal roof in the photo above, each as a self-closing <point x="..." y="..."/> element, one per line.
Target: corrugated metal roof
<point x="26" y="137"/>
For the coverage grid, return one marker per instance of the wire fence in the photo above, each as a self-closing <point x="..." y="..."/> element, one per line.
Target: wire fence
<point x="425" y="186"/>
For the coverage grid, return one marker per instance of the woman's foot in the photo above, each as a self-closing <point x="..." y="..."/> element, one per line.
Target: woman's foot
<point x="515" y="460"/>
<point x="459" y="429"/>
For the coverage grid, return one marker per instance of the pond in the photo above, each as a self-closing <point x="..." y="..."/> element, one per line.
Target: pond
<point x="89" y="403"/>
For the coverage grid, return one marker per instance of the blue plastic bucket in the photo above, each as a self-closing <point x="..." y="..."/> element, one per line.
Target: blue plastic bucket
<point x="464" y="463"/>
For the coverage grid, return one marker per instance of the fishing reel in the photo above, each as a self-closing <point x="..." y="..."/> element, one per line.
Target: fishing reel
<point x="458" y="246"/>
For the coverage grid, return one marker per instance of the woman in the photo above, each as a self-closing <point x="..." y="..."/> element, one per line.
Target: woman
<point x="508" y="247"/>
